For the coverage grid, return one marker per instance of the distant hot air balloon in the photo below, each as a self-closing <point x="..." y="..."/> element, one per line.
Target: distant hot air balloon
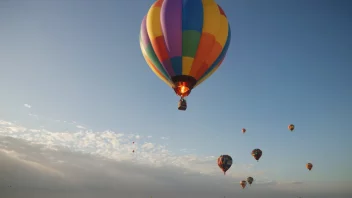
<point x="257" y="153"/>
<point x="184" y="42"/>
<point x="309" y="166"/>
<point x="243" y="130"/>
<point x="291" y="127"/>
<point x="132" y="142"/>
<point x="225" y="162"/>
<point x="243" y="183"/>
<point x="133" y="151"/>
<point x="250" y="180"/>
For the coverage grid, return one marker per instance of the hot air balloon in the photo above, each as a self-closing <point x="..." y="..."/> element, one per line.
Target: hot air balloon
<point x="224" y="162"/>
<point x="184" y="42"/>
<point x="257" y="153"/>
<point x="250" y="180"/>
<point x="243" y="183"/>
<point x="291" y="127"/>
<point x="309" y="166"/>
<point x="243" y="130"/>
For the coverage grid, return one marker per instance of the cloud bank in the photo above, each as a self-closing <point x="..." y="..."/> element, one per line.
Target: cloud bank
<point x="82" y="163"/>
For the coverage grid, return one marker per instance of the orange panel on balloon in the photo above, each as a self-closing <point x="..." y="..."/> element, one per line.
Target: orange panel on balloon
<point x="159" y="3"/>
<point x="216" y="51"/>
<point x="160" y="48"/>
<point x="205" y="47"/>
<point x="201" y="71"/>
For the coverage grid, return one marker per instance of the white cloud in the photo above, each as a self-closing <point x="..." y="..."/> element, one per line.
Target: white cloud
<point x="101" y="164"/>
<point x="164" y="138"/>
<point x="186" y="150"/>
<point x="149" y="136"/>
<point x="63" y="173"/>
<point x="112" y="145"/>
<point x="148" y="146"/>
<point x="27" y="106"/>
<point x="5" y="123"/>
<point x="80" y="127"/>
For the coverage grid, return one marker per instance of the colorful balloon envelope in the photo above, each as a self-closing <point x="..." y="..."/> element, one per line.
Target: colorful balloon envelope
<point x="250" y="180"/>
<point x="257" y="153"/>
<point x="243" y="130"/>
<point x="291" y="127"/>
<point x="184" y="41"/>
<point x="309" y="166"/>
<point x="243" y="183"/>
<point x="224" y="163"/>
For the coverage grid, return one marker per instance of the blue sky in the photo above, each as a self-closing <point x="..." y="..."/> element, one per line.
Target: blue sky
<point x="288" y="62"/>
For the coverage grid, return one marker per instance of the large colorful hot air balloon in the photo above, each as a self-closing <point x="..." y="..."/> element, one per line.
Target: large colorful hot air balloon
<point x="257" y="153"/>
<point x="184" y="42"/>
<point x="250" y="180"/>
<point x="225" y="162"/>
<point x="243" y="130"/>
<point x="291" y="127"/>
<point x="309" y="166"/>
<point x="243" y="183"/>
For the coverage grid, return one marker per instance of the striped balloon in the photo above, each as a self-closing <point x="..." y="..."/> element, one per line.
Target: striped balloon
<point x="184" y="41"/>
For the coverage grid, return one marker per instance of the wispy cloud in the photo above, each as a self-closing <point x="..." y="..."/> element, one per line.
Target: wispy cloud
<point x="64" y="122"/>
<point x="164" y="138"/>
<point x="80" y="127"/>
<point x="112" y="145"/>
<point x="63" y="173"/>
<point x="101" y="164"/>
<point x="27" y="106"/>
<point x="186" y="150"/>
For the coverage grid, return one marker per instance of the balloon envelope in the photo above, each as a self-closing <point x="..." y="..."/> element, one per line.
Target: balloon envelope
<point x="291" y="127"/>
<point x="250" y="180"/>
<point x="224" y="162"/>
<point x="243" y="183"/>
<point x="309" y="166"/>
<point x="257" y="153"/>
<point x="184" y="41"/>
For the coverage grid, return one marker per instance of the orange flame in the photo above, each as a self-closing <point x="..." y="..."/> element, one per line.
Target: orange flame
<point x="183" y="89"/>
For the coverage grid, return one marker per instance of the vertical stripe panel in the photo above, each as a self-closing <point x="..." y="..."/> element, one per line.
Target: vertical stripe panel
<point x="207" y="46"/>
<point x="146" y="46"/>
<point x="157" y="38"/>
<point x="192" y="24"/>
<point x="171" y="13"/>
<point x="219" y="60"/>
<point x="154" y="68"/>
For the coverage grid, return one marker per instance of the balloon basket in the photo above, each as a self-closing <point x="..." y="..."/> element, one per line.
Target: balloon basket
<point x="182" y="105"/>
